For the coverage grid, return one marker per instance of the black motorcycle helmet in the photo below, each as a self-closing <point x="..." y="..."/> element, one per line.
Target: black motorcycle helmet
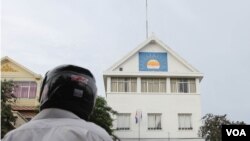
<point x="71" y="88"/>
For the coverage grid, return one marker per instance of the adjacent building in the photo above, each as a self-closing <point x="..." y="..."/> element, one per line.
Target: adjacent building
<point x="26" y="91"/>
<point x="156" y="94"/>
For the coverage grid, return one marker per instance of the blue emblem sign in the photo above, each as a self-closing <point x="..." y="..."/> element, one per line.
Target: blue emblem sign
<point x="153" y="61"/>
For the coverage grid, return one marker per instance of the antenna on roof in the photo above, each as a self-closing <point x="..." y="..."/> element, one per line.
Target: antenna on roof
<point x="146" y="18"/>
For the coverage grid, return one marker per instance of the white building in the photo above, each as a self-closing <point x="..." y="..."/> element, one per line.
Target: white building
<point x="155" y="85"/>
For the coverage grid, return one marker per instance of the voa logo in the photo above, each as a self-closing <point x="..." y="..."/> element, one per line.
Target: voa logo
<point x="236" y="132"/>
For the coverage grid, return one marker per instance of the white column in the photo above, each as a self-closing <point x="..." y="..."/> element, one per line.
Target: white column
<point x="168" y="85"/>
<point x="197" y="83"/>
<point x="108" y="84"/>
<point x="138" y="84"/>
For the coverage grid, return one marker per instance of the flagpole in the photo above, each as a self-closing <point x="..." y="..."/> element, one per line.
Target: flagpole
<point x="139" y="130"/>
<point x="138" y="117"/>
<point x="146" y="19"/>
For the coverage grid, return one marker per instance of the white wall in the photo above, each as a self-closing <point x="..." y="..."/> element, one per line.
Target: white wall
<point x="167" y="104"/>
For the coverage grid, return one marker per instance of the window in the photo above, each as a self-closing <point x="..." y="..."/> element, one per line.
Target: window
<point x="154" y="121"/>
<point x="25" y="89"/>
<point x="123" y="121"/>
<point x="183" y="85"/>
<point x="153" y="85"/>
<point x="123" y="84"/>
<point x="185" y="122"/>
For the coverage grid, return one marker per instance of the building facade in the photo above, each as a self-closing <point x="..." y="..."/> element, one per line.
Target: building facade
<point x="27" y="88"/>
<point x="156" y="94"/>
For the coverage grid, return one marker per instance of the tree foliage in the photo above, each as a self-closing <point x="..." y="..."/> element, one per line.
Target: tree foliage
<point x="7" y="88"/>
<point x="102" y="115"/>
<point x="211" y="130"/>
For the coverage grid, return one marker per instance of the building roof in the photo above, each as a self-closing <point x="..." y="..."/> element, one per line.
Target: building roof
<point x="6" y="58"/>
<point x="153" y="39"/>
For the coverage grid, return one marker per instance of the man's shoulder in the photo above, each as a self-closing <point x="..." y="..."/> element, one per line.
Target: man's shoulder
<point x="78" y="127"/>
<point x="75" y="125"/>
<point x="92" y="128"/>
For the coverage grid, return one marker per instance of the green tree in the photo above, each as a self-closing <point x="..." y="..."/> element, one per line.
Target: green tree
<point x="102" y="115"/>
<point x="7" y="88"/>
<point x="211" y="130"/>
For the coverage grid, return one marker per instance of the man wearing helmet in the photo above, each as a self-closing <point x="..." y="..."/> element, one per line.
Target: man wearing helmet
<point x="67" y="98"/>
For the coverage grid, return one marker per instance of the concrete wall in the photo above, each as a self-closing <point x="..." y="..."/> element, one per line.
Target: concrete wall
<point x="169" y="105"/>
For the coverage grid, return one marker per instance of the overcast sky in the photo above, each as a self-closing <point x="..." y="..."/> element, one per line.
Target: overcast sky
<point x="212" y="35"/>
